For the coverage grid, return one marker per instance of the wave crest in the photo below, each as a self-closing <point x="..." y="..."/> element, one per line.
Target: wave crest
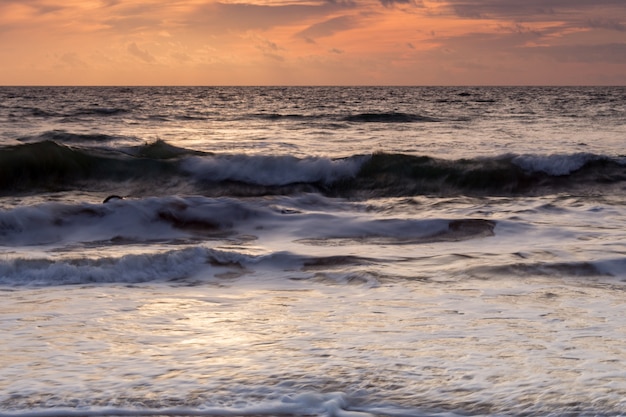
<point x="272" y="170"/>
<point x="160" y="167"/>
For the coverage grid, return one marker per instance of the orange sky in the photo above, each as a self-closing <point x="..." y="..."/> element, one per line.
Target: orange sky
<point x="312" y="42"/>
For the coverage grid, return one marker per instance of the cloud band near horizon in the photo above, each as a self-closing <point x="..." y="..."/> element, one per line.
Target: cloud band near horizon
<point x="317" y="42"/>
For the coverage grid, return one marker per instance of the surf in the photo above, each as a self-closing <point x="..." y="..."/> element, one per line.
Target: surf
<point x="50" y="165"/>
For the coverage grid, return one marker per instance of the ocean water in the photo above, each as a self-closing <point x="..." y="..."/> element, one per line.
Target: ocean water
<point x="322" y="251"/>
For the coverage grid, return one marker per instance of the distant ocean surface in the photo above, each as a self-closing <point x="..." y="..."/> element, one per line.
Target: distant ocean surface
<point x="312" y="251"/>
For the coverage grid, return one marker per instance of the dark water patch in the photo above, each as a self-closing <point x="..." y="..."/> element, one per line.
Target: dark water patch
<point x="549" y="269"/>
<point x="405" y="233"/>
<point x="337" y="261"/>
<point x="37" y="112"/>
<point x="99" y="111"/>
<point x="281" y="116"/>
<point x="389" y="117"/>
<point x="180" y="221"/>
<point x="243" y="189"/>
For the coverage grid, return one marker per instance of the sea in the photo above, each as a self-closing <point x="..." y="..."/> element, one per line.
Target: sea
<point x="312" y="251"/>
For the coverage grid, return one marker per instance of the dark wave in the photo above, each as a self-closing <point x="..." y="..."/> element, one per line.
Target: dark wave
<point x="605" y="267"/>
<point x="100" y="111"/>
<point x="159" y="168"/>
<point x="372" y="117"/>
<point x="281" y="116"/>
<point x="407" y="175"/>
<point x="389" y="117"/>
<point x="48" y="165"/>
<point x="160" y="149"/>
<point x="37" y="112"/>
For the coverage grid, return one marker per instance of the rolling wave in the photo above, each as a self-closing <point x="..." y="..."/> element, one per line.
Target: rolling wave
<point x="406" y="175"/>
<point x="160" y="168"/>
<point x="181" y="219"/>
<point x="48" y="165"/>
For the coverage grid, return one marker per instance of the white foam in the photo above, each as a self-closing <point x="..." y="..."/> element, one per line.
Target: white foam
<point x="271" y="170"/>
<point x="132" y="268"/>
<point x="132" y="220"/>
<point x="168" y="218"/>
<point x="615" y="267"/>
<point x="516" y="346"/>
<point x="333" y="404"/>
<point x="555" y="164"/>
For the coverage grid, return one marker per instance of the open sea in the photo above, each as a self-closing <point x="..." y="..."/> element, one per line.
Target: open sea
<point x="312" y="251"/>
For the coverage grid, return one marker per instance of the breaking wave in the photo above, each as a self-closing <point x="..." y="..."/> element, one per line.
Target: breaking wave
<point x="50" y="165"/>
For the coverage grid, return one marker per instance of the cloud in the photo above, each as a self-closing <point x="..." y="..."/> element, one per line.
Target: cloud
<point x="36" y="7"/>
<point x="529" y="9"/>
<point x="145" y="56"/>
<point x="328" y="27"/>
<point x="131" y="24"/>
<point x="72" y="60"/>
<point x="609" y="53"/>
<point x="609" y="24"/>
<point x="512" y="45"/>
<point x="391" y="3"/>
<point x="220" y="17"/>
<point x="231" y="41"/>
<point x="268" y="48"/>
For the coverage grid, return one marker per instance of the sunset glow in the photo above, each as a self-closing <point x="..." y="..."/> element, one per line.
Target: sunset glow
<point x="336" y="42"/>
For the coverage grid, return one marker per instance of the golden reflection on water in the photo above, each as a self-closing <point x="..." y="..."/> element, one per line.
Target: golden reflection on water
<point x="517" y="343"/>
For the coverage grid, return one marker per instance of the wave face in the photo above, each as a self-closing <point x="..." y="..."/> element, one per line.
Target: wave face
<point x="406" y="175"/>
<point x="48" y="165"/>
<point x="159" y="166"/>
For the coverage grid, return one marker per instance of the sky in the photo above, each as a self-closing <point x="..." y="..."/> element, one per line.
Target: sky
<point x="313" y="42"/>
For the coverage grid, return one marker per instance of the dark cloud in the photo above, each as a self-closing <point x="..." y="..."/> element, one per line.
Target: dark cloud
<point x="511" y="45"/>
<point x="328" y="27"/>
<point x="391" y="3"/>
<point x="609" y="24"/>
<point x="610" y="53"/>
<point x="529" y="9"/>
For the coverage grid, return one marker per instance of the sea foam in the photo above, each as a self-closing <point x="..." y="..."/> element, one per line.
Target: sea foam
<point x="271" y="170"/>
<point x="555" y="164"/>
